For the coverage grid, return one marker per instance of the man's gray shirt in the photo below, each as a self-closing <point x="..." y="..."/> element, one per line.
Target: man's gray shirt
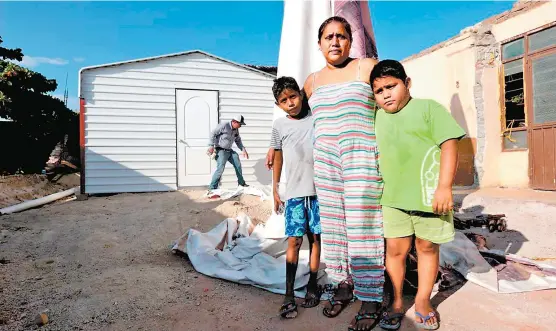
<point x="295" y="139"/>
<point x="224" y="136"/>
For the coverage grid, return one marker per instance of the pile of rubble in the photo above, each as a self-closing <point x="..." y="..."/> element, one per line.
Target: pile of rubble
<point x="495" y="222"/>
<point x="61" y="162"/>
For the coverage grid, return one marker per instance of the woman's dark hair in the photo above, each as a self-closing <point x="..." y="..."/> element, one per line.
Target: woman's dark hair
<point x="339" y="20"/>
<point x="388" y="68"/>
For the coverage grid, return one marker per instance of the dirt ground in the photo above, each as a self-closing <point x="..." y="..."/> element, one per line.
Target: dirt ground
<point x="105" y="264"/>
<point x="18" y="188"/>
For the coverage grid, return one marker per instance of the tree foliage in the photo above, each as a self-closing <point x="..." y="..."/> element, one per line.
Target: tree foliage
<point x="38" y="116"/>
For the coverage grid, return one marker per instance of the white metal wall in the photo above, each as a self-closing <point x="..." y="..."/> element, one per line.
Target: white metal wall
<point x="130" y="119"/>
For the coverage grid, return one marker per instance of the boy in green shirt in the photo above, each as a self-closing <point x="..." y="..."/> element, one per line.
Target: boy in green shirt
<point x="418" y="144"/>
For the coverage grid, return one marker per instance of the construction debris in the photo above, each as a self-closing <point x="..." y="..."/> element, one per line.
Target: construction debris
<point x="38" y="202"/>
<point x="61" y="162"/>
<point x="494" y="222"/>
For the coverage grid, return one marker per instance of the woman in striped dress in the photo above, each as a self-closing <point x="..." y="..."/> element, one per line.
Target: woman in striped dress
<point x="349" y="185"/>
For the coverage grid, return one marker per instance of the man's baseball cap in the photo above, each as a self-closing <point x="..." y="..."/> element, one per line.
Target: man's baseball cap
<point x="239" y="118"/>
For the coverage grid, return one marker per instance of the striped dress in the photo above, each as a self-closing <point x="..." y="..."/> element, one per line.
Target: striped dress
<point x="349" y="186"/>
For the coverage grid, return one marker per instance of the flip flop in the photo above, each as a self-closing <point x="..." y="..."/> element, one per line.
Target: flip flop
<point x="423" y="324"/>
<point x="386" y="321"/>
<point x="365" y="316"/>
<point x="287" y="308"/>
<point x="312" y="299"/>
<point x="335" y="303"/>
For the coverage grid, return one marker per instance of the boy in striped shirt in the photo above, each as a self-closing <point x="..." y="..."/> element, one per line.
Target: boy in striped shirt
<point x="292" y="140"/>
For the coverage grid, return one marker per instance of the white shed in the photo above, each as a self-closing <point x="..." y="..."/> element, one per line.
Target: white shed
<point x="145" y="123"/>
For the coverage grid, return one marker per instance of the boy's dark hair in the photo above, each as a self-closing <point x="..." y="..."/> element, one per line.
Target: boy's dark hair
<point x="284" y="83"/>
<point x="391" y="68"/>
<point x="338" y="19"/>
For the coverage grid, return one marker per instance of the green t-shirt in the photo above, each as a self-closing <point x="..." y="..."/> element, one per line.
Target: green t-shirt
<point x="409" y="146"/>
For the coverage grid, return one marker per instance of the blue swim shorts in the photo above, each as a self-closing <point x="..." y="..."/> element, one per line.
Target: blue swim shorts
<point x="302" y="216"/>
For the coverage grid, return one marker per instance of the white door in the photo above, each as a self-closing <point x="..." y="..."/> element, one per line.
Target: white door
<point x="197" y="116"/>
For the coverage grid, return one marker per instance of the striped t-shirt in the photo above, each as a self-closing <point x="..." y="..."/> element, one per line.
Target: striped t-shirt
<point x="295" y="139"/>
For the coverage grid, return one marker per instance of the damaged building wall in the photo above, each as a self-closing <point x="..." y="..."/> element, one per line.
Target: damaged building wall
<point x="485" y="94"/>
<point x="506" y="168"/>
<point x="463" y="73"/>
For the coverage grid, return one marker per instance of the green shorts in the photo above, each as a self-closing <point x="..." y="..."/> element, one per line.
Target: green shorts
<point x="432" y="227"/>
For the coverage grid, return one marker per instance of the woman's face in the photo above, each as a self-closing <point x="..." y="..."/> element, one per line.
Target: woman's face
<point x="334" y="43"/>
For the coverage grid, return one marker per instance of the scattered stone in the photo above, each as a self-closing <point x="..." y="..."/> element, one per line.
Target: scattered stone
<point x="41" y="319"/>
<point x="22" y="316"/>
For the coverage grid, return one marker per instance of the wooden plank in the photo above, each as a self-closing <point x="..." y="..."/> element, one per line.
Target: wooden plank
<point x="537" y="158"/>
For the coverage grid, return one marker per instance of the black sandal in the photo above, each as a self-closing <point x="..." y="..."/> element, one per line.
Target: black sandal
<point x="366" y="316"/>
<point x="312" y="299"/>
<point x="287" y="308"/>
<point x="391" y="320"/>
<point x="335" y="303"/>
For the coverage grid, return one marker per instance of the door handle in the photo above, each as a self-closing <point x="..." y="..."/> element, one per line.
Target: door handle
<point x="183" y="142"/>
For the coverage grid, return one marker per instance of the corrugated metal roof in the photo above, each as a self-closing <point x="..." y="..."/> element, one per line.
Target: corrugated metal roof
<point x="177" y="54"/>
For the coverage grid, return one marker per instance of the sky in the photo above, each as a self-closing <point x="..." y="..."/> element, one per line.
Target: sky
<point x="59" y="38"/>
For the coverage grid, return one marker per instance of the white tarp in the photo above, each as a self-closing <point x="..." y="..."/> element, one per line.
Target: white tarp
<point x="258" y="258"/>
<point x="263" y="192"/>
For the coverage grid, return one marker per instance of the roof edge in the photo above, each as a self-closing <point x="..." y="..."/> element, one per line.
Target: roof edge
<point x="463" y="35"/>
<point x="520" y="7"/>
<point x="174" y="55"/>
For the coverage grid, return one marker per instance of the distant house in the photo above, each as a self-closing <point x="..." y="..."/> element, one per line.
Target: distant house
<point x="146" y="122"/>
<point x="498" y="80"/>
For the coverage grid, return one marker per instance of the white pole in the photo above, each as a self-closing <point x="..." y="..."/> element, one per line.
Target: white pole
<point x="299" y="54"/>
<point x="38" y="202"/>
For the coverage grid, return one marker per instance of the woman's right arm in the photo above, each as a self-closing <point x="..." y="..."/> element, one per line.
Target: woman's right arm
<point x="308" y="86"/>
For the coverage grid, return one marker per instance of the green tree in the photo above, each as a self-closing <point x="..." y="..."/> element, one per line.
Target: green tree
<point x="41" y="119"/>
